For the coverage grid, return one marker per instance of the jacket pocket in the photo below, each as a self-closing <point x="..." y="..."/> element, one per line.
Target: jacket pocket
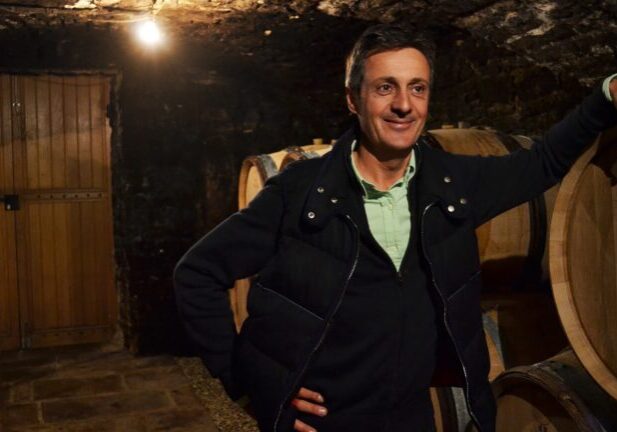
<point x="298" y="305"/>
<point x="279" y="327"/>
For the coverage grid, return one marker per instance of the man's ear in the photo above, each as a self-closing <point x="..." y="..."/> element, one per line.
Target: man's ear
<point x="351" y="103"/>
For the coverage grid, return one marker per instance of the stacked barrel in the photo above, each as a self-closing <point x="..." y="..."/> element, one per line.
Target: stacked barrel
<point x="549" y="271"/>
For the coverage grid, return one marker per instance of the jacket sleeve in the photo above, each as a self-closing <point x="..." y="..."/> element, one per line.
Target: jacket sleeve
<point x="238" y="247"/>
<point x="500" y="183"/>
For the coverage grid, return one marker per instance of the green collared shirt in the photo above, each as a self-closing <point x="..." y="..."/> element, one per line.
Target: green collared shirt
<point x="388" y="213"/>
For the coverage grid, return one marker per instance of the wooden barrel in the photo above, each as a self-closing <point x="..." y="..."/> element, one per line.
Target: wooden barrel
<point x="583" y="261"/>
<point x="522" y="328"/>
<point x="305" y="152"/>
<point x="450" y="410"/>
<point x="556" y="395"/>
<point x="257" y="169"/>
<point x="254" y="173"/>
<point x="512" y="245"/>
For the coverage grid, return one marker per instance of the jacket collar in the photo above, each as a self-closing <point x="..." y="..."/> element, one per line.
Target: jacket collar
<point x="333" y="190"/>
<point x="336" y="190"/>
<point x="439" y="183"/>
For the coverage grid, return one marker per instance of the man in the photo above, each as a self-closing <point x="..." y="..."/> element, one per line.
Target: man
<point x="367" y="288"/>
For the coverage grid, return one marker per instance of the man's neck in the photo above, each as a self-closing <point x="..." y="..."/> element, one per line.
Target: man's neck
<point x="381" y="170"/>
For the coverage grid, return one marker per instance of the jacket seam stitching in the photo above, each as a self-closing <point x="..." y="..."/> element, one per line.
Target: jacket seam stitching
<point x="469" y="280"/>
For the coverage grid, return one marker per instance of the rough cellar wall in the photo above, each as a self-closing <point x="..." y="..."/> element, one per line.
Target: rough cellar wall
<point x="189" y="115"/>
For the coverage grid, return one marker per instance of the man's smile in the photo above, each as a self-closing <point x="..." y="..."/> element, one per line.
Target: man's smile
<point x="400" y="124"/>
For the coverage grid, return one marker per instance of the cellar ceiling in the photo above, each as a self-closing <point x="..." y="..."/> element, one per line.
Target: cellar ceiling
<point x="568" y="37"/>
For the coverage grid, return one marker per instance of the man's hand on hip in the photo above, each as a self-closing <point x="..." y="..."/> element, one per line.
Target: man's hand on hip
<point x="309" y="402"/>
<point x="613" y="89"/>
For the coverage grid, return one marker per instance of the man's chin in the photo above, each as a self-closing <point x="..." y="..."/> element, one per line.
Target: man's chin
<point x="397" y="149"/>
<point x="401" y="144"/>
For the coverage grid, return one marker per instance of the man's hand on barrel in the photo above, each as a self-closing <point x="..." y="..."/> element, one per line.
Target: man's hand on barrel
<point x="613" y="89"/>
<point x="308" y="401"/>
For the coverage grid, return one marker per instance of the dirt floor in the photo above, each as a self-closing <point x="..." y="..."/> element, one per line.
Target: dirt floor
<point x="87" y="390"/>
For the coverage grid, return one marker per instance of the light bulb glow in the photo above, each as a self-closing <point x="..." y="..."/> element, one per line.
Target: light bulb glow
<point x="148" y="32"/>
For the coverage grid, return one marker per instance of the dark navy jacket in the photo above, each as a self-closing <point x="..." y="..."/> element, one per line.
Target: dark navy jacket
<point x="301" y="236"/>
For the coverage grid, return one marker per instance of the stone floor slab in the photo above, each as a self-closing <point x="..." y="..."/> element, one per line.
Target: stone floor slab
<point x="187" y="420"/>
<point x="71" y="387"/>
<point x="21" y="393"/>
<point x="110" y="363"/>
<point x="155" y="378"/>
<point x="30" y="428"/>
<point x="96" y="406"/>
<point x="17" y="415"/>
<point x="87" y="389"/>
<point x="20" y="374"/>
<point x="5" y="393"/>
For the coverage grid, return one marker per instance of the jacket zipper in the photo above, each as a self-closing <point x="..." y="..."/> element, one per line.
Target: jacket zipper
<point x="445" y="321"/>
<point x="327" y="326"/>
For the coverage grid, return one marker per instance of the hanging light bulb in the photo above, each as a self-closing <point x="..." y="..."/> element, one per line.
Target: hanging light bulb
<point x="149" y="33"/>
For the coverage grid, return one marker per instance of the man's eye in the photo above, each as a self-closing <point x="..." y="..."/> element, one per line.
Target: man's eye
<point x="384" y="88"/>
<point x="419" y="89"/>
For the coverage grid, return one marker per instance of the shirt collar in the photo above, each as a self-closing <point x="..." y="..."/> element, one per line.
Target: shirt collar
<point x="369" y="189"/>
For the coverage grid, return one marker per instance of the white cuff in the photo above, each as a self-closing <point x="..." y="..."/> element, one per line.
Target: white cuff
<point x="605" y="89"/>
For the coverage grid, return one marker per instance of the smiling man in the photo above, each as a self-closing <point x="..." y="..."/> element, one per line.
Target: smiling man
<point x="367" y="289"/>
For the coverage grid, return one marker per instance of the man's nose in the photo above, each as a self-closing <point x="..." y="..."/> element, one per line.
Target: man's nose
<point x="401" y="104"/>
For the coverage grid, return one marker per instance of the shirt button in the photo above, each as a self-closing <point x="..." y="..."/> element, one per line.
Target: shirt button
<point x="311" y="215"/>
<point x="451" y="208"/>
<point x="463" y="201"/>
<point x="334" y="200"/>
<point x="447" y="179"/>
<point x="320" y="189"/>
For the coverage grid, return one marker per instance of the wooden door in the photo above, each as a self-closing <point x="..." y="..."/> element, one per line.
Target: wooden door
<point x="9" y="304"/>
<point x="63" y="229"/>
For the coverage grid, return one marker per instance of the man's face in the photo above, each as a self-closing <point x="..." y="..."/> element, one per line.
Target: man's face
<point x="392" y="104"/>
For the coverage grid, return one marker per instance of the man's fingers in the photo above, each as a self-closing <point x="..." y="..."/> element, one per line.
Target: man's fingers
<point x="308" y="407"/>
<point x="305" y="393"/>
<point x="303" y="427"/>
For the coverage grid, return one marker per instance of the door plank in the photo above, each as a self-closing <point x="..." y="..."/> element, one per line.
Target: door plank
<point x="9" y="312"/>
<point x="84" y="122"/>
<point x="31" y="133"/>
<point x="65" y="284"/>
<point x="58" y="144"/>
<point x="97" y="125"/>
<point x="70" y="132"/>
